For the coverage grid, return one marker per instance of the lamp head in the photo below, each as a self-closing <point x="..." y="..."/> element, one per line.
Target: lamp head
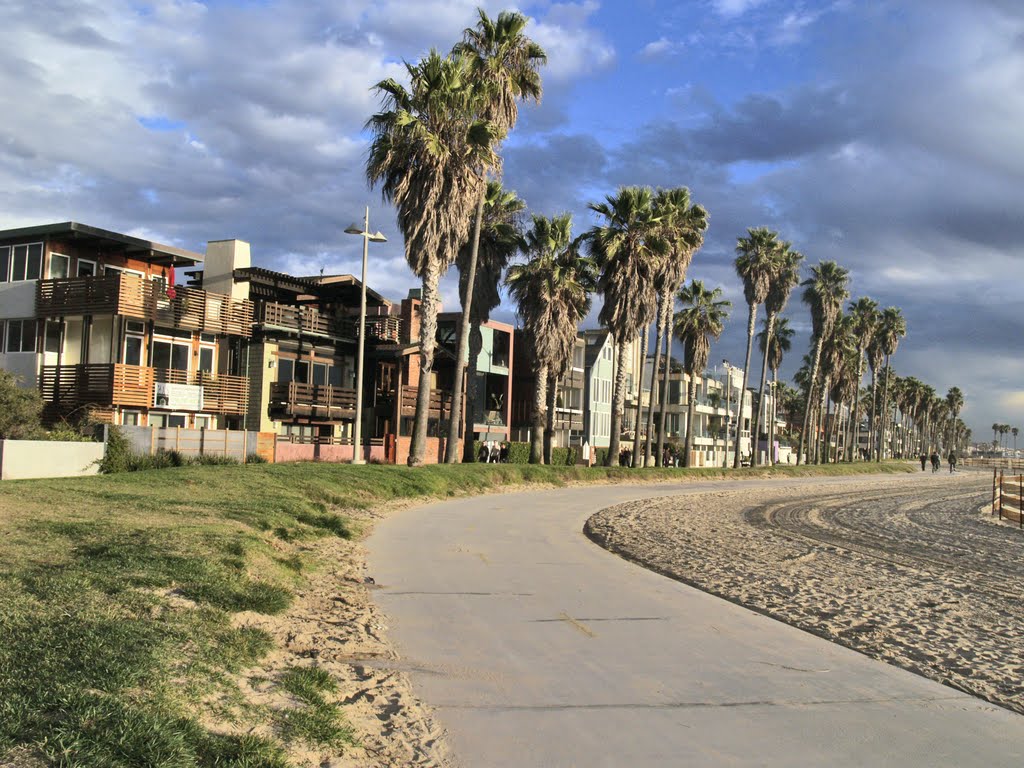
<point x="354" y="229"/>
<point x="378" y="237"/>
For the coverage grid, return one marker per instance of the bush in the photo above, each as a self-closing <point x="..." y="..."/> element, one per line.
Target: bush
<point x="20" y="408"/>
<point x="519" y="453"/>
<point x="255" y="458"/>
<point x="119" y="457"/>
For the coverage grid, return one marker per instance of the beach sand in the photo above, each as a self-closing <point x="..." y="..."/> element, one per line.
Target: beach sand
<point x="920" y="576"/>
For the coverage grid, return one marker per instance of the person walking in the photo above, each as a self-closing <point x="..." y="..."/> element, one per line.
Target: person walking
<point x="952" y="462"/>
<point x="924" y="460"/>
<point x="935" y="461"/>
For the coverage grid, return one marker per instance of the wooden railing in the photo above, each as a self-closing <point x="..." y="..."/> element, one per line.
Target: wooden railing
<point x="106" y="384"/>
<point x="440" y="402"/>
<point x="1008" y="496"/>
<point x="310" y="320"/>
<point x="139" y="297"/>
<point x="313" y="400"/>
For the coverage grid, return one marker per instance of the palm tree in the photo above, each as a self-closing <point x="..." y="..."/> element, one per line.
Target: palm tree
<point x="552" y="294"/>
<point x="628" y="253"/>
<point x="891" y="328"/>
<point x="503" y="64"/>
<point x="429" y="146"/>
<point x="682" y="226"/>
<point x="1014" y="431"/>
<point x="701" y="319"/>
<point x="783" y="280"/>
<point x="955" y="401"/>
<point x="824" y="292"/>
<point x="500" y="239"/>
<point x="864" y="318"/>
<point x="757" y="260"/>
<point x="774" y="345"/>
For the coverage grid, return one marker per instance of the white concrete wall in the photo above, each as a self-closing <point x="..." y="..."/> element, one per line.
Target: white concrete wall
<point x="222" y="258"/>
<point x="17" y="300"/>
<point x="24" y="365"/>
<point x="24" y="459"/>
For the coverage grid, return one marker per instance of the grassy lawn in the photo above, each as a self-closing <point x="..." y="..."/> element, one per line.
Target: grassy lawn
<point x="118" y="591"/>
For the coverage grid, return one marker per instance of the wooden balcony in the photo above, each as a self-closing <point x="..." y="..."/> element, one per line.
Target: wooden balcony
<point x="440" y="402"/>
<point x="314" y="401"/>
<point x="191" y="309"/>
<point x="305" y="319"/>
<point x="108" y="385"/>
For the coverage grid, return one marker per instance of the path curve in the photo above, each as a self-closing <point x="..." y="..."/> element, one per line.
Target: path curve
<point x="539" y="649"/>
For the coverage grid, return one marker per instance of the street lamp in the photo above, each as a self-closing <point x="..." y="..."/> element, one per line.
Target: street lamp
<point x="728" y="411"/>
<point x="377" y="237"/>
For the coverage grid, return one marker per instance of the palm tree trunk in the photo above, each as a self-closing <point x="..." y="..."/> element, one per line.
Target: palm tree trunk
<point x="808" y="405"/>
<point x="885" y="411"/>
<point x="637" y="462"/>
<point x="476" y="343"/>
<point x="539" y="417"/>
<point x="751" y="327"/>
<point x="655" y="370"/>
<point x="428" y="341"/>
<point x="618" y="402"/>
<point x="663" y="408"/>
<point x="872" y="427"/>
<point x="775" y="417"/>
<point x="756" y="429"/>
<point x="856" y="404"/>
<point x="691" y="396"/>
<point x="451" y="447"/>
<point x="549" y="423"/>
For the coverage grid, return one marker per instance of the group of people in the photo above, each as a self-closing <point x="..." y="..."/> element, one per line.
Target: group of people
<point x="936" y="461"/>
<point x="492" y="452"/>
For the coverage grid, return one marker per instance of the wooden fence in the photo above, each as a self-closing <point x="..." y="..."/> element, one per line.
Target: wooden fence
<point x="1008" y="496"/>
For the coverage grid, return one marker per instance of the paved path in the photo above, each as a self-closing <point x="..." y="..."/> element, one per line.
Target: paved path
<point x="537" y="648"/>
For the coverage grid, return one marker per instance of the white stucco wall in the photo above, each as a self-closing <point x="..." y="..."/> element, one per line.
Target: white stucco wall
<point x="17" y="300"/>
<point x="24" y="459"/>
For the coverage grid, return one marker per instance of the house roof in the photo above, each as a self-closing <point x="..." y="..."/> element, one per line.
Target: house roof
<point x="341" y="288"/>
<point x="134" y="247"/>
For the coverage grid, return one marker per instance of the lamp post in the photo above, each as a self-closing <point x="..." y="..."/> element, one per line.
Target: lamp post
<point x="728" y="412"/>
<point x="377" y="237"/>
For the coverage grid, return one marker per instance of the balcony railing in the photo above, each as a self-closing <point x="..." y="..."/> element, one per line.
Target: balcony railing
<point x="106" y="384"/>
<point x="310" y="320"/>
<point x="440" y="402"/>
<point x="318" y="401"/>
<point x="138" y="297"/>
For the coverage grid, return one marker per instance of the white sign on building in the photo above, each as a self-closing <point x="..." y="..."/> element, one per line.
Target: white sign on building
<point x="178" y="397"/>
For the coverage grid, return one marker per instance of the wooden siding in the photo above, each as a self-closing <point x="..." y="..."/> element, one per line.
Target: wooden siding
<point x="144" y="299"/>
<point x="315" y="401"/>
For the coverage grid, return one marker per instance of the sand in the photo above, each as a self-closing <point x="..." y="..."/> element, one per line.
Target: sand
<point x="920" y="576"/>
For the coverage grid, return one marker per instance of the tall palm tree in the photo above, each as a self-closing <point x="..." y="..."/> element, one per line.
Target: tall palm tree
<point x="701" y="319"/>
<point x="824" y="292"/>
<point x="503" y="69"/>
<point x="429" y="146"/>
<point x="628" y="252"/>
<point x="783" y="280"/>
<point x="552" y="294"/>
<point x="1014" y="431"/>
<point x="774" y="345"/>
<point x="682" y="225"/>
<point x="891" y="328"/>
<point x="500" y="239"/>
<point x="955" y="401"/>
<point x="864" y="318"/>
<point x="756" y="261"/>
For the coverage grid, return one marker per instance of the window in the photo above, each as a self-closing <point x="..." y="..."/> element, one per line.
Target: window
<point x="167" y="354"/>
<point x="133" y="350"/>
<point x="5" y="263"/>
<point x="203" y="421"/>
<point x="167" y="419"/>
<point x="25" y="262"/>
<point x="52" y="343"/>
<point x="285" y="370"/>
<point x="21" y="336"/>
<point x="302" y="371"/>
<point x="320" y="374"/>
<point x="131" y="418"/>
<point x="206" y="359"/>
<point x="60" y="265"/>
<point x="86" y="268"/>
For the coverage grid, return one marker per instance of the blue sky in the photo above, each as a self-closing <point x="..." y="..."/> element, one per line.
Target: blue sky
<point x="884" y="135"/>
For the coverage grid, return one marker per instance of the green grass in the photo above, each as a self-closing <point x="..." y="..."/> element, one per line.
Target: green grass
<point x="118" y="591"/>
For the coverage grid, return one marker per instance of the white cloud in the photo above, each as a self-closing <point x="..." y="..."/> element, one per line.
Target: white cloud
<point x="732" y="8"/>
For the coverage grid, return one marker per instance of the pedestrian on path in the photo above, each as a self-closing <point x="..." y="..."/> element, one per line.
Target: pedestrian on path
<point x="952" y="462"/>
<point x="924" y="460"/>
<point x="935" y="461"/>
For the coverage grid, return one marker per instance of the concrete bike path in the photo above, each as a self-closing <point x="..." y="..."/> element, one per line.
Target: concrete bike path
<point x="538" y="648"/>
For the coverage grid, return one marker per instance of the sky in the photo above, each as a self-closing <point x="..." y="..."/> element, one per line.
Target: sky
<point x="884" y="135"/>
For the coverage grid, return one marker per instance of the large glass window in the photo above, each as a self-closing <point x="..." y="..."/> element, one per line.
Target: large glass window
<point x="302" y="371"/>
<point x="59" y="265"/>
<point x="285" y="370"/>
<point x="52" y="343"/>
<point x="86" y="268"/>
<point x="133" y="350"/>
<point x="320" y="374"/>
<point x="5" y="263"/>
<point x="206" y="359"/>
<point x="21" y="336"/>
<point x="167" y="354"/>
<point x="26" y="262"/>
